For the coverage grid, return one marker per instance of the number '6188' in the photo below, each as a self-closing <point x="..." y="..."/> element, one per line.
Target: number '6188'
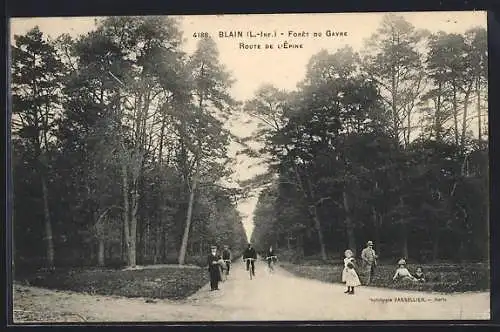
<point x="200" y="35"/>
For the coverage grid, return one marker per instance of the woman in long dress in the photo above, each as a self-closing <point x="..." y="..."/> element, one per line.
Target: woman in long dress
<point x="349" y="275"/>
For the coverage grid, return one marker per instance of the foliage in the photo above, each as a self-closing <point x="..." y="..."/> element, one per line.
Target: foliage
<point x="161" y="283"/>
<point x="349" y="162"/>
<point x="119" y="133"/>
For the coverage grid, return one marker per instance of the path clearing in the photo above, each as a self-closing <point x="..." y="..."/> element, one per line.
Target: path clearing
<point x="277" y="296"/>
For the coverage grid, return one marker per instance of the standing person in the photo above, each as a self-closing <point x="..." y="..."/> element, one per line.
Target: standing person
<point x="271" y="258"/>
<point x="250" y="253"/>
<point x="369" y="258"/>
<point x="226" y="256"/>
<point x="349" y="275"/>
<point x="213" y="261"/>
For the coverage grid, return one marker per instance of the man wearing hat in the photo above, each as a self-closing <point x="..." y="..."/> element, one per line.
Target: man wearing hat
<point x="214" y="268"/>
<point x="369" y="258"/>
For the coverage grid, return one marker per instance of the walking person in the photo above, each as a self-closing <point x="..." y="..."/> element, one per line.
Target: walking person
<point x="349" y="275"/>
<point x="226" y="256"/>
<point x="213" y="261"/>
<point x="369" y="258"/>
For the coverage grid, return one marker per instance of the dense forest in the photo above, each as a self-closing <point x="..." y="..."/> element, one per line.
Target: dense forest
<point x="388" y="144"/>
<point x="119" y="150"/>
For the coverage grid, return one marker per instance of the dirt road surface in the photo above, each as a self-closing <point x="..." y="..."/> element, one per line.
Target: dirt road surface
<point x="268" y="297"/>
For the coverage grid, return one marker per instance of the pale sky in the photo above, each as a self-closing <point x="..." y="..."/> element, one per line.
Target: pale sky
<point x="283" y="68"/>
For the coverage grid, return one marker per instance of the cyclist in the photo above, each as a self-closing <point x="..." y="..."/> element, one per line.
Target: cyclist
<point x="271" y="258"/>
<point x="226" y="256"/>
<point x="250" y="253"/>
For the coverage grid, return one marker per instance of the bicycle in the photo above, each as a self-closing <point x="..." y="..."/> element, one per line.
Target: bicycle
<point x="250" y="269"/>
<point x="271" y="260"/>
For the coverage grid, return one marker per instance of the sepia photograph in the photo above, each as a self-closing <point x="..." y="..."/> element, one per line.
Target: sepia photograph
<point x="250" y="167"/>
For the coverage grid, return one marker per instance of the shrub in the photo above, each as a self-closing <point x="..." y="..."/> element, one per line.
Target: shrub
<point x="167" y="282"/>
<point x="439" y="277"/>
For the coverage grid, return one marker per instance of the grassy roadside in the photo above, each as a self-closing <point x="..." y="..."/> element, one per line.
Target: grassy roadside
<point x="446" y="278"/>
<point x="162" y="283"/>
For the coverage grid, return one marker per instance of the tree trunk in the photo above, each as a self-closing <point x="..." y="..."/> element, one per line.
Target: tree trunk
<point x="127" y="222"/>
<point x="162" y="135"/>
<point x="300" y="245"/>
<point x="464" y="117"/>
<point x="133" y="227"/>
<point x="351" y="239"/>
<point x="185" y="237"/>
<point x="455" y="114"/>
<point x="99" y="229"/>
<point x="309" y="197"/>
<point x="435" y="245"/>
<point x="478" y="106"/>
<point x="49" y="241"/>
<point x="122" y="242"/>
<point x="92" y="255"/>
<point x="145" y="241"/>
<point x="165" y="247"/>
<point x="158" y="238"/>
<point x="395" y="119"/>
<point x="408" y="131"/>
<point x="437" y="117"/>
<point x="100" y="252"/>
<point x="404" y="238"/>
<point x="109" y="253"/>
<point x="376" y="229"/>
<point x="317" y="223"/>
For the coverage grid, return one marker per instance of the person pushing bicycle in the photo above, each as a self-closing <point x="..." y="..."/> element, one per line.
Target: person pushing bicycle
<point x="250" y="253"/>
<point x="271" y="258"/>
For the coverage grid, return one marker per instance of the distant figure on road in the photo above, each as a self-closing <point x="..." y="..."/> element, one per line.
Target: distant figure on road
<point x="226" y="256"/>
<point x="214" y="268"/>
<point x="369" y="258"/>
<point x="271" y="258"/>
<point x="250" y="253"/>
<point x="349" y="275"/>
<point x="402" y="272"/>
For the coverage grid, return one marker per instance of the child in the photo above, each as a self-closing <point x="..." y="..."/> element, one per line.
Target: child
<point x="349" y="275"/>
<point x="419" y="275"/>
<point x="402" y="272"/>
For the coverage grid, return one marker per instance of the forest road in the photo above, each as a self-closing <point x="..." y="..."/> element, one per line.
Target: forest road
<point x="279" y="296"/>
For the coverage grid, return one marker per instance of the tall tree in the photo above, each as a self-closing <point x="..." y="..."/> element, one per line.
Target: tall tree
<point x="36" y="83"/>
<point x="393" y="60"/>
<point x="476" y="39"/>
<point x="203" y="136"/>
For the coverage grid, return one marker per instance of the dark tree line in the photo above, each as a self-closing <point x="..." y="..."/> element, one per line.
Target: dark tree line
<point x="119" y="148"/>
<point x="389" y="145"/>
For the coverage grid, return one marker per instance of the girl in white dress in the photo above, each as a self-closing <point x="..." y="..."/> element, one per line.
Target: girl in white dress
<point x="349" y="275"/>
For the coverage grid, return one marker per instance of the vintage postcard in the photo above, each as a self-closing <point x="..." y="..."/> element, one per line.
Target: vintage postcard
<point x="284" y="167"/>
